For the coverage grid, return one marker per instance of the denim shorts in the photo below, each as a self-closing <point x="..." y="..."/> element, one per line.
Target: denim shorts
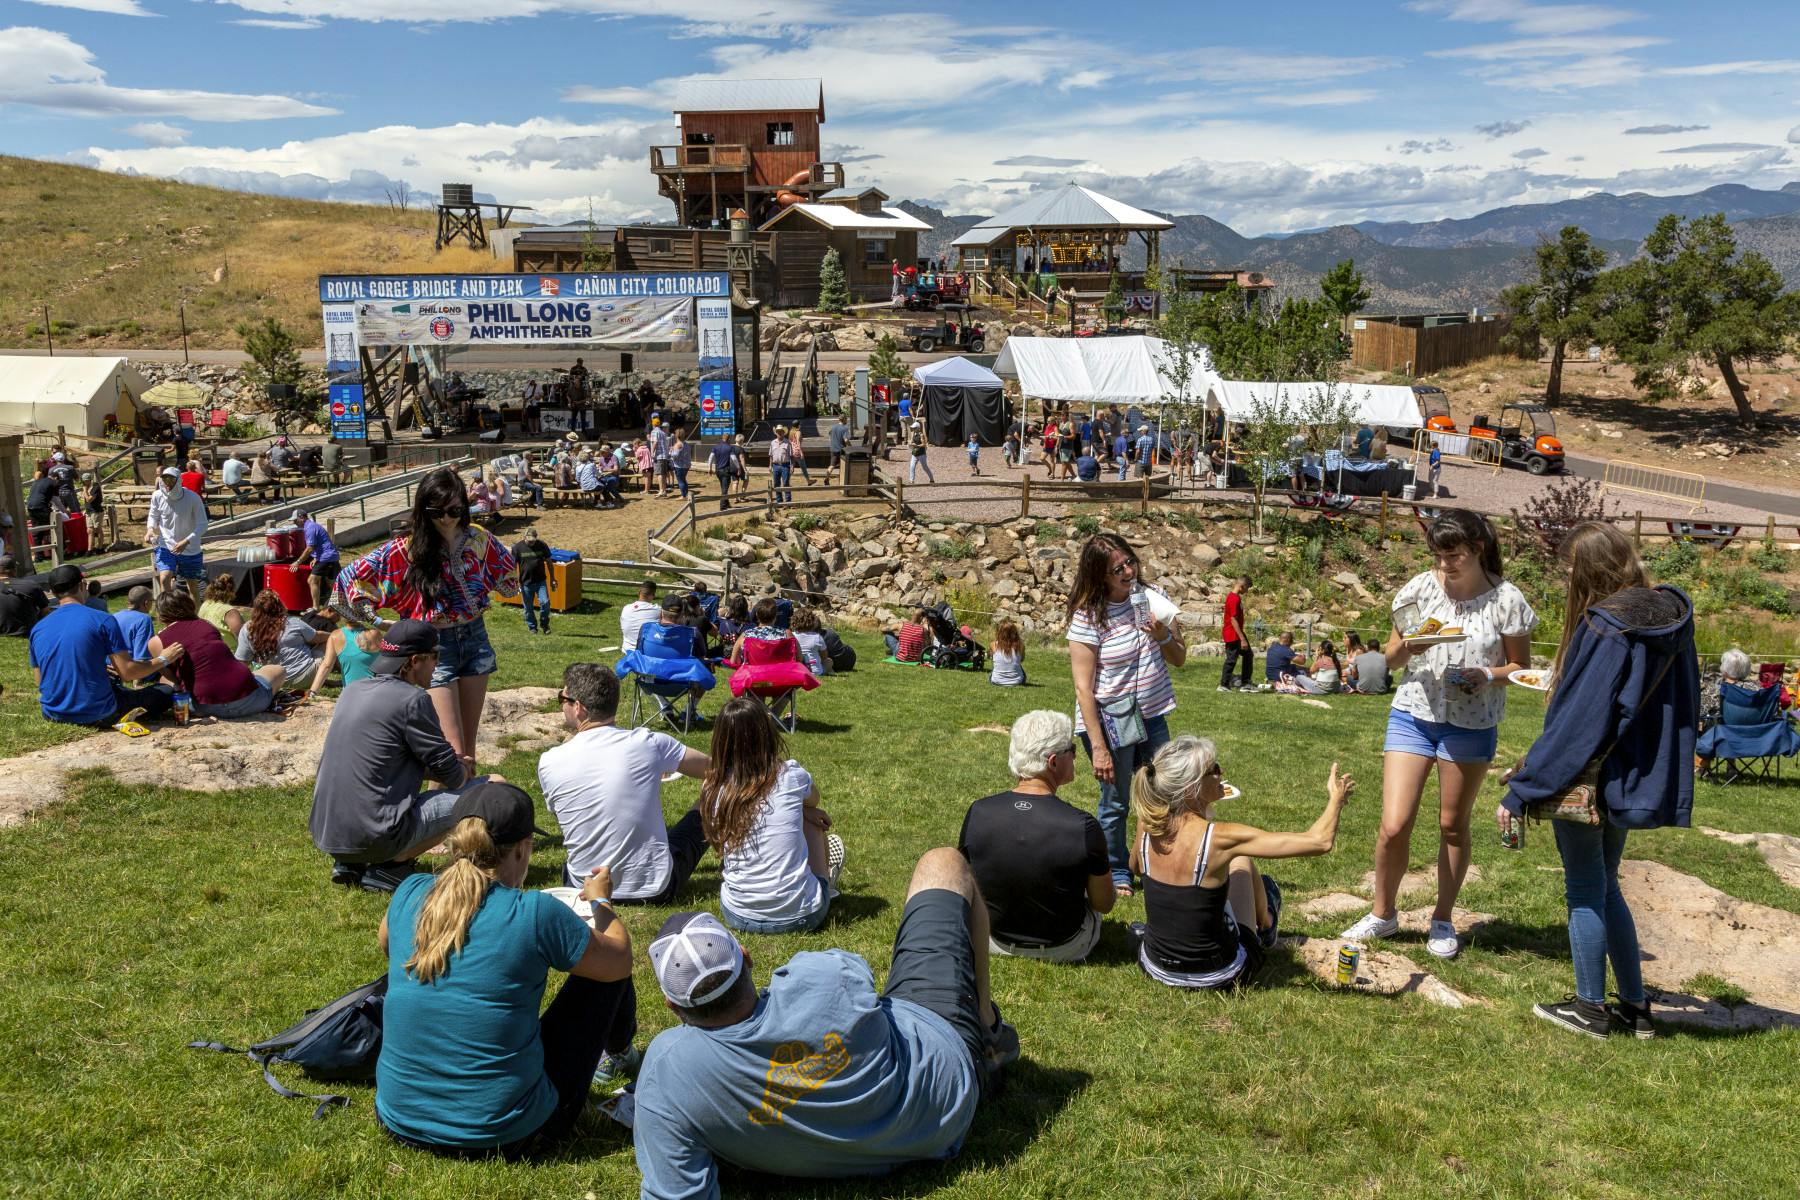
<point x="182" y="566"/>
<point x="258" y="699"/>
<point x="464" y="652"/>
<point x="1441" y="740"/>
<point x="800" y="924"/>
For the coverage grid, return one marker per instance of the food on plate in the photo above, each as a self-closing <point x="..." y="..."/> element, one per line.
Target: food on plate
<point x="1431" y="626"/>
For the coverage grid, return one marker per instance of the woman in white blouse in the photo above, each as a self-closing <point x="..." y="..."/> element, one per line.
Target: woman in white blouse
<point x="1447" y="711"/>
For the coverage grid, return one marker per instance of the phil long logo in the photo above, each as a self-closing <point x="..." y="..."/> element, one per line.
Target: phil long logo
<point x="794" y="1070"/>
<point x="442" y="328"/>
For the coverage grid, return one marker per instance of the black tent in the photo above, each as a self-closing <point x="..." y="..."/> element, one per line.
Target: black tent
<point x="963" y="398"/>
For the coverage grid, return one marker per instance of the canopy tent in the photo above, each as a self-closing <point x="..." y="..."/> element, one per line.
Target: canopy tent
<point x="962" y="398"/>
<point x="1121" y="370"/>
<point x="74" y="394"/>
<point x="1388" y="405"/>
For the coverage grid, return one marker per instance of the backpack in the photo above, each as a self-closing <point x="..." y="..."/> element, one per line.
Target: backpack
<point x="341" y="1040"/>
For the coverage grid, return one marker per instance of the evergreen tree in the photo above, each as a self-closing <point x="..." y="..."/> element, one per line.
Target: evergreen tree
<point x="275" y="358"/>
<point x="1114" y="303"/>
<point x="1342" y="287"/>
<point x="884" y="362"/>
<point x="1690" y="301"/>
<point x="1557" y="306"/>
<point x="834" y="292"/>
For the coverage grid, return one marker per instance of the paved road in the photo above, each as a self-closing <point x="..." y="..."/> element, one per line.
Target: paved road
<point x="1779" y="503"/>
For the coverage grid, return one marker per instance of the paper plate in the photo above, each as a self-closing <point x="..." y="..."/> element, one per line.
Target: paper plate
<point x="1537" y="681"/>
<point x="572" y="897"/>
<point x="672" y="776"/>
<point x="1228" y="792"/>
<point x="1436" y="639"/>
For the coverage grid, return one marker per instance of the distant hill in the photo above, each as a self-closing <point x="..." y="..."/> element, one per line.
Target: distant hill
<point x="1776" y="239"/>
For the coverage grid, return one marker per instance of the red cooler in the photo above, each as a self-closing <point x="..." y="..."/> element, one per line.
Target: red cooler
<point x="285" y="542"/>
<point x="291" y="583"/>
<point x="75" y="534"/>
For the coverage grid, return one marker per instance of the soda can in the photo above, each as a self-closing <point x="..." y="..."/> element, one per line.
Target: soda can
<point x="1349" y="958"/>
<point x="184" y="705"/>
<point x="1512" y="834"/>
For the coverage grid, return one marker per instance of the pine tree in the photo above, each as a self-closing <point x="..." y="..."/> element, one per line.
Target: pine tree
<point x="1557" y="306"/>
<point x="275" y="358"/>
<point x="1114" y="303"/>
<point x="834" y="292"/>
<point x="884" y="362"/>
<point x="1343" y="289"/>
<point x="1690" y="301"/>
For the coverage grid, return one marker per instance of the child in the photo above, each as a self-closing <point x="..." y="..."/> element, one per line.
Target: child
<point x="974" y="448"/>
<point x="908" y="646"/>
<point x="1437" y="465"/>
<point x="811" y="640"/>
<point x="640" y="451"/>
<point x="1008" y="655"/>
<point x="1009" y="449"/>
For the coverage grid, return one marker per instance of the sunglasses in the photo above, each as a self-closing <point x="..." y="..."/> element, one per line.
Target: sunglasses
<point x="439" y="514"/>
<point x="1118" y="570"/>
<point x="564" y="698"/>
<point x="1215" y="772"/>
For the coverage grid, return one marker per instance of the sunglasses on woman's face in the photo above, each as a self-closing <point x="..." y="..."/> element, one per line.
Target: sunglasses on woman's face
<point x="1119" y="569"/>
<point x="456" y="511"/>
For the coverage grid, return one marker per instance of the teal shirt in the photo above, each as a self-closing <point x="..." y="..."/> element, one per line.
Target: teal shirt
<point x="353" y="660"/>
<point x="461" y="1062"/>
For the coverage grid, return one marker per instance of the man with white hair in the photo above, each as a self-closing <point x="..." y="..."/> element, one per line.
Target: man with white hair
<point x="819" y="1075"/>
<point x="174" y="528"/>
<point x="1041" y="862"/>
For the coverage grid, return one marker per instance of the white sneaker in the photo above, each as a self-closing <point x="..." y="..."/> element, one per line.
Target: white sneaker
<point x="1442" y="940"/>
<point x="1372" y="926"/>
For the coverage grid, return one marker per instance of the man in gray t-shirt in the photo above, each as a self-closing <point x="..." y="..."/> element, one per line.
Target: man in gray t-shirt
<point x="1371" y="668"/>
<point x="384" y="739"/>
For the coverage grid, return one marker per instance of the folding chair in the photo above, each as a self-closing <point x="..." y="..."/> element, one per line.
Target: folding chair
<point x="783" y="704"/>
<point x="1751" y="738"/>
<point x="664" y="670"/>
<point x="656" y="700"/>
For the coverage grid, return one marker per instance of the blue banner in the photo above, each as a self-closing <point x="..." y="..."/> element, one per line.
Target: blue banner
<point x="347" y="289"/>
<point x="718" y="408"/>
<point x="349" y="421"/>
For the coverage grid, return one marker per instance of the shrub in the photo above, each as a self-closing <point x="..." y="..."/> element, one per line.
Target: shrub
<point x="1087" y="524"/>
<point x="1674" y="561"/>
<point x="955" y="549"/>
<point x="802" y="522"/>
<point x="1559" y="508"/>
<point x="1769" y="557"/>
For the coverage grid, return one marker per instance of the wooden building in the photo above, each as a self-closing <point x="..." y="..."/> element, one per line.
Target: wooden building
<point x="744" y="143"/>
<point x="868" y="238"/>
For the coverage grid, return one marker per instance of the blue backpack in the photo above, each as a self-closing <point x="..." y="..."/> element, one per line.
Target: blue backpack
<point x="342" y="1040"/>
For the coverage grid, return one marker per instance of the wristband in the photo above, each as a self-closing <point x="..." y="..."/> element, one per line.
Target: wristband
<point x="1166" y="638"/>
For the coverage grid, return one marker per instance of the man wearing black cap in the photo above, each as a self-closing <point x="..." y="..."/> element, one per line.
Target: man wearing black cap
<point x="22" y="601"/>
<point x="819" y="1075"/>
<point x="69" y="652"/>
<point x="383" y="741"/>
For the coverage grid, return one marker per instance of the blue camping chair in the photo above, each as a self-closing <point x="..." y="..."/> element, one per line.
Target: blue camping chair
<point x="1751" y="738"/>
<point x="664" y="673"/>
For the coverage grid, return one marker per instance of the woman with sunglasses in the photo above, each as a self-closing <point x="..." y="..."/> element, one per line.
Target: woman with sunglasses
<point x="1120" y="656"/>
<point x="443" y="571"/>
<point x="1209" y="915"/>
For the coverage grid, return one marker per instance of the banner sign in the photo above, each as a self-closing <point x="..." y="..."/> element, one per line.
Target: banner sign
<point x="718" y="408"/>
<point x="344" y="401"/>
<point x="525" y="322"/>
<point x="343" y="375"/>
<point x="348" y="289"/>
<point x="555" y="420"/>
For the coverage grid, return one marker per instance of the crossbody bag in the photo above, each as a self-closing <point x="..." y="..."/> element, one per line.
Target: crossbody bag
<point x="1579" y="803"/>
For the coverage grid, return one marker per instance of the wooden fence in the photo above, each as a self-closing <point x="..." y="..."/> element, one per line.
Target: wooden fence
<point x="1386" y="346"/>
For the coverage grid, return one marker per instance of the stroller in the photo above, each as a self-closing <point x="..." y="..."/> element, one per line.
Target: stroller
<point x="954" y="647"/>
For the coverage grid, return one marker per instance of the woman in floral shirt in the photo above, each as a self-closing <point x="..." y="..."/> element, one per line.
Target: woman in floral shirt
<point x="444" y="571"/>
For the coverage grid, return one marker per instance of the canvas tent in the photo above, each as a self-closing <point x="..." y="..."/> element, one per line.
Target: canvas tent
<point x="1121" y="370"/>
<point x="962" y="398"/>
<point x="73" y="394"/>
<point x="1388" y="405"/>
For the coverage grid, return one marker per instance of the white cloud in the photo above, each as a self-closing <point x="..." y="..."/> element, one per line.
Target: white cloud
<point x="1329" y="97"/>
<point x="624" y="97"/>
<point x="1499" y="129"/>
<point x="1529" y="18"/>
<point x="117" y="8"/>
<point x="157" y="133"/>
<point x="262" y="23"/>
<point x="1722" y="148"/>
<point x="1761" y="66"/>
<point x="753" y="19"/>
<point x="1530" y="152"/>
<point x="1657" y="130"/>
<point x="1794" y="135"/>
<point x="46" y="69"/>
<point x="1417" y="146"/>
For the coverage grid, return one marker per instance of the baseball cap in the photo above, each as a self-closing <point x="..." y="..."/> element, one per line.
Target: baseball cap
<point x="504" y="806"/>
<point x="64" y="578"/>
<point x="689" y="947"/>
<point x="171" y="473"/>
<point x="401" y="641"/>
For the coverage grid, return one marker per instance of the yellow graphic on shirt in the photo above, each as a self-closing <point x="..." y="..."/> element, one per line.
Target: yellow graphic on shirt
<point x="793" y="1071"/>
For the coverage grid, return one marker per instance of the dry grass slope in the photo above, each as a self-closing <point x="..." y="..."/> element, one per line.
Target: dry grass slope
<point x="113" y="256"/>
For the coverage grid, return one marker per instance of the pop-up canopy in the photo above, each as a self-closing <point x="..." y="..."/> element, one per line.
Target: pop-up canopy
<point x="1372" y="404"/>
<point x="1121" y="370"/>
<point x="962" y="398"/>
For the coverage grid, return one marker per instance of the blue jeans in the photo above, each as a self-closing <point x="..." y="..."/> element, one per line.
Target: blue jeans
<point x="681" y="480"/>
<point x="1600" y="924"/>
<point x="536" y="596"/>
<point x="781" y="475"/>
<point x="1115" y="797"/>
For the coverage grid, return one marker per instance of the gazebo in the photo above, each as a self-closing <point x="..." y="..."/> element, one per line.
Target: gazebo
<point x="1072" y="232"/>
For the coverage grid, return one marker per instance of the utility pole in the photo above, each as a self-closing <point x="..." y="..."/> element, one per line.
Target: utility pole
<point x="184" y="346"/>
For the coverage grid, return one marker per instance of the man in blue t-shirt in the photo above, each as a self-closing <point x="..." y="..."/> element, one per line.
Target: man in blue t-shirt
<point x="820" y="1075"/>
<point x="1121" y="449"/>
<point x="69" y="651"/>
<point x="1278" y="659"/>
<point x="1087" y="468"/>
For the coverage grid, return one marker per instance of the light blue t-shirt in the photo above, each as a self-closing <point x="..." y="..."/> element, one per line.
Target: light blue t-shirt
<point x="825" y="1079"/>
<point x="137" y="628"/>
<point x="70" y="646"/>
<point x="461" y="1062"/>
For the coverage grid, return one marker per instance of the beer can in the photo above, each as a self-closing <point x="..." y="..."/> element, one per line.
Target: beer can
<point x="1512" y="834"/>
<point x="184" y="705"/>
<point x="1349" y="958"/>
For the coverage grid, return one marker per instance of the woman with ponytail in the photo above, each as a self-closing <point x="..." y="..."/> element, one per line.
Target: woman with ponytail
<point x="468" y="1067"/>
<point x="1210" y="916"/>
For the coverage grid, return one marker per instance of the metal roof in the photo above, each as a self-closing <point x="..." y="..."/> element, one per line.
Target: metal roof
<point x="850" y="193"/>
<point x="750" y="95"/>
<point x="842" y="216"/>
<point x="1068" y="207"/>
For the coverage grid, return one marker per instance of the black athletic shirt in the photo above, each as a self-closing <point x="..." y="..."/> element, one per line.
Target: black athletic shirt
<point x="20" y="607"/>
<point x="1033" y="857"/>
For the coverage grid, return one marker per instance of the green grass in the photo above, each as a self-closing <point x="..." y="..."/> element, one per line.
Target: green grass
<point x="141" y="919"/>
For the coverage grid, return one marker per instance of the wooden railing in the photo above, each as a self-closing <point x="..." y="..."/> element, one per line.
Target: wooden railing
<point x="732" y="157"/>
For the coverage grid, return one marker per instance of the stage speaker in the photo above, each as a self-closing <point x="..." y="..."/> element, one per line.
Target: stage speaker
<point x="625" y="362"/>
<point x="492" y="437"/>
<point x="409" y="373"/>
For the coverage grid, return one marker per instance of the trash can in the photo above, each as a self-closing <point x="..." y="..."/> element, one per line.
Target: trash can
<point x="290" y="582"/>
<point x="859" y="471"/>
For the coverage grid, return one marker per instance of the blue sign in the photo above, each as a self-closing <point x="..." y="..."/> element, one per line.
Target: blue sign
<point x="349" y="421"/>
<point x="718" y="408"/>
<point x="347" y="289"/>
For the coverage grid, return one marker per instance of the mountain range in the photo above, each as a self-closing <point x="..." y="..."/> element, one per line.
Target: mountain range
<point x="1455" y="263"/>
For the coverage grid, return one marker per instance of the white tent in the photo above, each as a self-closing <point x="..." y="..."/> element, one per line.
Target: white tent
<point x="955" y="372"/>
<point x="1122" y="370"/>
<point x="73" y="394"/>
<point x="1372" y="404"/>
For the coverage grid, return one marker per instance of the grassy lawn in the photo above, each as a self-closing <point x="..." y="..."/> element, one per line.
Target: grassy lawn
<point x="139" y="920"/>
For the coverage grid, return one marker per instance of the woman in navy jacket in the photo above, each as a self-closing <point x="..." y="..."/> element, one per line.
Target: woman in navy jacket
<point x="1627" y="687"/>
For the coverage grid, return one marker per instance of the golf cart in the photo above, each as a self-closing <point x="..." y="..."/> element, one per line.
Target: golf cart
<point x="1527" y="437"/>
<point x="1434" y="408"/>
<point x="953" y="331"/>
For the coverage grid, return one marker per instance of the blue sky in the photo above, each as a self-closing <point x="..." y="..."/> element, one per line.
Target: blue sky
<point x="1332" y="112"/>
